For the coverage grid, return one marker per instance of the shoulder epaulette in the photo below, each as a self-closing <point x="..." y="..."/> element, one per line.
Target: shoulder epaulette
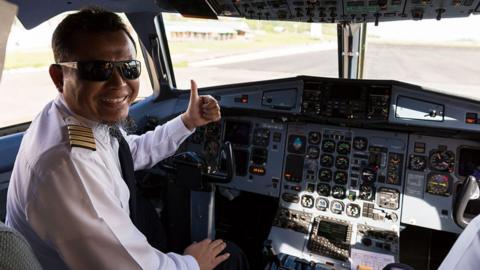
<point x="81" y="137"/>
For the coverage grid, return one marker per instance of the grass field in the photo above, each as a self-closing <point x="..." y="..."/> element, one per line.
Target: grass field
<point x="23" y="59"/>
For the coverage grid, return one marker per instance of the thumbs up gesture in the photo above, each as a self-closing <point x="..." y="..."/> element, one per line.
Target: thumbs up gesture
<point x="201" y="109"/>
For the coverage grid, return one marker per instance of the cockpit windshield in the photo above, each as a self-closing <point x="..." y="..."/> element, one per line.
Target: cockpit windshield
<point x="234" y="50"/>
<point x="441" y="55"/>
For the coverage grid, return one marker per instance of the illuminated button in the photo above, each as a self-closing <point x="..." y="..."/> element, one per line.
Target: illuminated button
<point x="296" y="188"/>
<point x="257" y="170"/>
<point x="471" y="118"/>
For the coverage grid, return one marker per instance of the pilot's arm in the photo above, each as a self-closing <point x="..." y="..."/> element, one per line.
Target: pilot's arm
<point x="151" y="147"/>
<point x="465" y="253"/>
<point x="81" y="208"/>
<point x="156" y="145"/>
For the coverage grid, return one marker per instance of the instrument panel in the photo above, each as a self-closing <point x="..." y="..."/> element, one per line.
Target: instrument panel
<point x="348" y="161"/>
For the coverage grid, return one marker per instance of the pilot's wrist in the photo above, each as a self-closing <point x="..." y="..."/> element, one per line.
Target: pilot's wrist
<point x="187" y="121"/>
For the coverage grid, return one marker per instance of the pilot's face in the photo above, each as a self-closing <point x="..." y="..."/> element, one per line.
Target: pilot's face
<point x="102" y="101"/>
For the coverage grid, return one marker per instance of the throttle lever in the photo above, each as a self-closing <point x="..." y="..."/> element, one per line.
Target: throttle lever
<point x="469" y="191"/>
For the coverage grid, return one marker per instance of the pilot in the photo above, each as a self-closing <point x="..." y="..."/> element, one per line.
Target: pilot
<point x="465" y="253"/>
<point x="69" y="190"/>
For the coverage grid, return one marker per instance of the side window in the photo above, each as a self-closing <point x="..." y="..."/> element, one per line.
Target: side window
<point x="26" y="86"/>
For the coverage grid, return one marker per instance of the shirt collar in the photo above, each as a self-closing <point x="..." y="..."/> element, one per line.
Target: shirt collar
<point x="73" y="118"/>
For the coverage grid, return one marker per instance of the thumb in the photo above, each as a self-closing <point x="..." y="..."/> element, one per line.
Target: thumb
<point x="193" y="91"/>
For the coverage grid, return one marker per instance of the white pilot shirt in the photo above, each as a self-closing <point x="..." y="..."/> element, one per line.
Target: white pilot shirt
<point x="71" y="203"/>
<point x="465" y="253"/>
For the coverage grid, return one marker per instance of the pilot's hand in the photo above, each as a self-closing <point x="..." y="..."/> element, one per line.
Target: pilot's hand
<point x="201" y="109"/>
<point x="207" y="253"/>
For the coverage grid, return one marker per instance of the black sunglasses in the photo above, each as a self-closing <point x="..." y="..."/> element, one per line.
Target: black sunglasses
<point x="99" y="71"/>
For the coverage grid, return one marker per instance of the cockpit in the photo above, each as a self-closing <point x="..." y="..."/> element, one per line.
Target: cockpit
<point x="308" y="171"/>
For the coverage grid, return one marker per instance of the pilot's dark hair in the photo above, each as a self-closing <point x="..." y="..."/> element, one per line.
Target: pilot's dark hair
<point x="88" y="20"/>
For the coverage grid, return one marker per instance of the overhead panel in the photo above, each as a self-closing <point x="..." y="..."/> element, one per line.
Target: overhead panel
<point x="334" y="11"/>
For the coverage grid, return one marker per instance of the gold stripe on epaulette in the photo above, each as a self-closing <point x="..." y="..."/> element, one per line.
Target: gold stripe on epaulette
<point x="80" y="136"/>
<point x="79" y="128"/>
<point x="80" y="133"/>
<point x="76" y="143"/>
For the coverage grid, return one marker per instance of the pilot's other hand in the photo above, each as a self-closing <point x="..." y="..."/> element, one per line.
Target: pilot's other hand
<point x="201" y="109"/>
<point x="207" y="253"/>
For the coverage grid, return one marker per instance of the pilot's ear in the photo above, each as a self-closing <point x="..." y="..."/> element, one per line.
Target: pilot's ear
<point x="56" y="73"/>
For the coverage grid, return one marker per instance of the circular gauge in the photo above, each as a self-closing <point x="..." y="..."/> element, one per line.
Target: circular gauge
<point x="307" y="201"/>
<point x="367" y="192"/>
<point x="326" y="160"/>
<point x="438" y="184"/>
<point x="442" y="160"/>
<point x="343" y="148"/>
<point x="321" y="204"/>
<point x="360" y="143"/>
<point x="368" y="176"/>
<point x="314" y="137"/>
<point x="337" y="207"/>
<point x="313" y="152"/>
<point x="211" y="148"/>
<point x="341" y="162"/>
<point x="417" y="163"/>
<point x="325" y="175"/>
<point x="261" y="136"/>
<point x="323" y="189"/>
<point x="340" y="178"/>
<point x="338" y="192"/>
<point x="328" y="146"/>
<point x="353" y="210"/>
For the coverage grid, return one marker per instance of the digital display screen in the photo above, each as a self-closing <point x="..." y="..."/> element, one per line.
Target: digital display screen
<point x="336" y="233"/>
<point x="346" y="92"/>
<point x="237" y="132"/>
<point x="468" y="161"/>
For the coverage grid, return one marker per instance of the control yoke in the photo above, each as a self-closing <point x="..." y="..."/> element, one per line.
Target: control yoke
<point x="195" y="173"/>
<point x="468" y="191"/>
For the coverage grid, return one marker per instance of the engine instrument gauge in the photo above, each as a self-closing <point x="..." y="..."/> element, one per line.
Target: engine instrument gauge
<point x="323" y="189"/>
<point x="328" y="146"/>
<point x="337" y="207"/>
<point x="417" y="163"/>
<point x="326" y="160"/>
<point x="442" y="160"/>
<point x="367" y="192"/>
<point x="343" y="148"/>
<point x="353" y="210"/>
<point x="341" y="177"/>
<point x="321" y="204"/>
<point x="325" y="175"/>
<point x="307" y="201"/>
<point x="341" y="163"/>
<point x="439" y="184"/>
<point x="360" y="143"/>
<point x="338" y="192"/>
<point x="369" y="176"/>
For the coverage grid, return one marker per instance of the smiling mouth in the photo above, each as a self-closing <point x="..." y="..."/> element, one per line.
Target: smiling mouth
<point x="114" y="101"/>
